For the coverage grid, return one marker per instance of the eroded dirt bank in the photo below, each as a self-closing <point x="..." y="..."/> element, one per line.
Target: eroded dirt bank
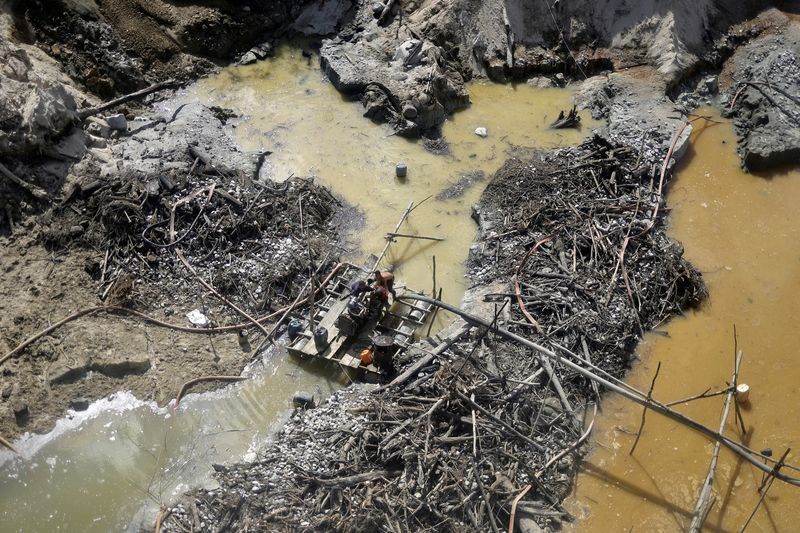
<point x="86" y="222"/>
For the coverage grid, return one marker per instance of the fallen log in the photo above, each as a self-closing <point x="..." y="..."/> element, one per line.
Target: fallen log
<point x="160" y="86"/>
<point x="36" y="192"/>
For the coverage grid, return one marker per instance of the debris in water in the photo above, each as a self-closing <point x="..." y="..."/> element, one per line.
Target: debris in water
<point x="481" y="132"/>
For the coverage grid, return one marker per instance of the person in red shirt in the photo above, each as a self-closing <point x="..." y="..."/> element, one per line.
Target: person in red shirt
<point x="385" y="280"/>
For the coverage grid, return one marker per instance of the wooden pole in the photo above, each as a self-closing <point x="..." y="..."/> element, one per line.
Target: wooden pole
<point x="396" y="229"/>
<point x="702" y="507"/>
<point x="409" y="236"/>
<point x="85" y="113"/>
<point x="36" y="192"/>
<point x="765" y="488"/>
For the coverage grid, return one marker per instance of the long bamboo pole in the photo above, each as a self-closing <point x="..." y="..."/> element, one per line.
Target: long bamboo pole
<point x="396" y="229"/>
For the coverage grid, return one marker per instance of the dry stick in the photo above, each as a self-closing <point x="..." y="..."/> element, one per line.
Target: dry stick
<point x="571" y="447"/>
<point x="514" y="507"/>
<point x="474" y="430"/>
<point x="10" y="446"/>
<point x="770" y="478"/>
<point x="644" y="411"/>
<point x="545" y="364"/>
<point x="36" y="192"/>
<point x="396" y="229"/>
<point x="434" y="315"/>
<point x="10" y="218"/>
<point x="535" y="445"/>
<point x="202" y="379"/>
<point x="392" y="235"/>
<point x="349" y="481"/>
<point x="748" y="454"/>
<point x="230" y="304"/>
<point x="127" y="98"/>
<point x="737" y="410"/>
<point x="439" y="297"/>
<point x="482" y="489"/>
<point x="434" y="276"/>
<point x="702" y="507"/>
<point x="703" y="395"/>
<point x="530" y="380"/>
<point x="162" y="515"/>
<point x="386" y="10"/>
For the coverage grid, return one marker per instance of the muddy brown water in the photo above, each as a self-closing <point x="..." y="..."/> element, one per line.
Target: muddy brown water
<point x="110" y="468"/>
<point x="742" y="232"/>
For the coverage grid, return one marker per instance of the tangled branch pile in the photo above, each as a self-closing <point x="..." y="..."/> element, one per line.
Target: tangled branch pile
<point x="488" y="434"/>
<point x="253" y="241"/>
<point x="604" y="271"/>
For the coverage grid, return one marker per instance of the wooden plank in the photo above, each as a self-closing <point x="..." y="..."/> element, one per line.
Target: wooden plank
<point x="335" y="345"/>
<point x="328" y="322"/>
<point x="350" y="361"/>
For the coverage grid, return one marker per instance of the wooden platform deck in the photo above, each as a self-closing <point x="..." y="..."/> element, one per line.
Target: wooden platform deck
<point x="399" y="322"/>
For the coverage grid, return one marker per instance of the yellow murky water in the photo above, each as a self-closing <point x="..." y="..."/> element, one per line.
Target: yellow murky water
<point x="111" y="471"/>
<point x="291" y="110"/>
<point x="742" y="231"/>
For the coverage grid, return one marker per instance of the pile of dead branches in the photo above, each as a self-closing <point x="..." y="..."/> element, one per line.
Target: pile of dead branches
<point x="255" y="241"/>
<point x="579" y="236"/>
<point x="453" y="449"/>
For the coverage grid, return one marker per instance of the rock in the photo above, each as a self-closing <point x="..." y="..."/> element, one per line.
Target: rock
<point x="763" y="150"/>
<point x="709" y="85"/>
<point x="50" y="110"/>
<point x="481" y="132"/>
<point x="19" y="407"/>
<point x="377" y="9"/>
<point x="117" y="122"/>
<point x="401" y="170"/>
<point x="541" y="82"/>
<point x="321" y="17"/>
<point x="96" y="142"/>
<point x="529" y="525"/>
<point x="97" y="126"/>
<point x="248" y="58"/>
<point x="409" y="52"/>
<point x="304" y="400"/>
<point x="68" y="368"/>
<point x="73" y="146"/>
<point x="768" y="136"/>
<point x="197" y="318"/>
<point x="79" y="404"/>
<point x="112" y="363"/>
<point x="682" y="144"/>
